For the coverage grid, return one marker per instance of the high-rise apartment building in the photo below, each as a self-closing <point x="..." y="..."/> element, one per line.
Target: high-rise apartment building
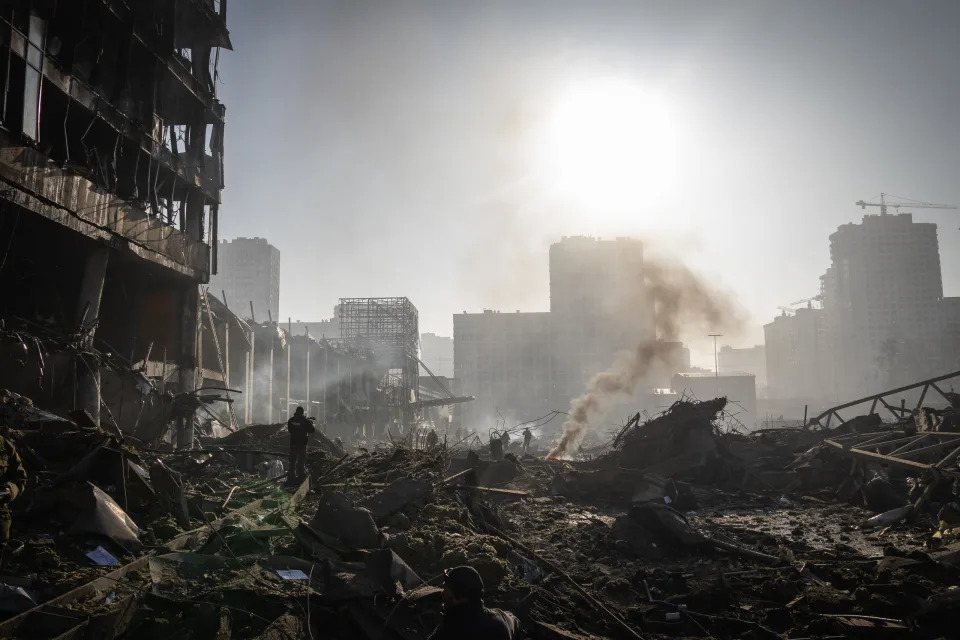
<point x="505" y="361"/>
<point x="249" y="272"/>
<point x="750" y="360"/>
<point x="950" y="332"/>
<point x="599" y="305"/>
<point x="882" y="294"/>
<point x="524" y="365"/>
<point x="437" y="353"/>
<point x="798" y="363"/>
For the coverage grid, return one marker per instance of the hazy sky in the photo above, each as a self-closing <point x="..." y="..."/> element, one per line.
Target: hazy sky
<point x="436" y="149"/>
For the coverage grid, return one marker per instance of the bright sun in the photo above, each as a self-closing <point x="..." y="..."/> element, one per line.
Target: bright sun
<point x="610" y="145"/>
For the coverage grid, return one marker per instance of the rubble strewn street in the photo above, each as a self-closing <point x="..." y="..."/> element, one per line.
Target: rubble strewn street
<point x="496" y="358"/>
<point x="675" y="529"/>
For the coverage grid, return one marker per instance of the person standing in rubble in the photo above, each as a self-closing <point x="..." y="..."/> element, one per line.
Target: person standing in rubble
<point x="300" y="427"/>
<point x="505" y="440"/>
<point x="465" y="617"/>
<point x="527" y="437"/>
<point x="13" y="480"/>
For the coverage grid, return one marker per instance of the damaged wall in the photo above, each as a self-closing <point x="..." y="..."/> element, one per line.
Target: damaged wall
<point x="111" y="145"/>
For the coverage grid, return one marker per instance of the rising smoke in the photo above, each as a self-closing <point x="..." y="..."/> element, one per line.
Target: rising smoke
<point x="683" y="303"/>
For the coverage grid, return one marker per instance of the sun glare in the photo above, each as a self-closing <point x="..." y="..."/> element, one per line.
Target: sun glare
<point x="610" y="145"/>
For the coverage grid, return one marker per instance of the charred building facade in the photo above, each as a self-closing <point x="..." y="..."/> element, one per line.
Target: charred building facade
<point x="111" y="168"/>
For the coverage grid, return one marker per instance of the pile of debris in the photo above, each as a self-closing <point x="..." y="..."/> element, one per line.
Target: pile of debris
<point x="680" y="530"/>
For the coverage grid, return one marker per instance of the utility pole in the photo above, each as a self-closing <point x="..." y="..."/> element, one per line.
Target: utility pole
<point x="716" y="360"/>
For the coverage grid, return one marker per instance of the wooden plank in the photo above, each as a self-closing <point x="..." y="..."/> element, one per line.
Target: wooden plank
<point x="366" y="485"/>
<point x="930" y="448"/>
<point x="879" y="457"/>
<point x="950" y="456"/>
<point x="457" y="476"/>
<point x="513" y="493"/>
<point x="914" y="442"/>
<point x="882" y="440"/>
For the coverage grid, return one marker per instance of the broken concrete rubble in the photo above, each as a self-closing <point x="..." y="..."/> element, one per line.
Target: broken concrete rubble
<point x="351" y="526"/>
<point x="95" y="513"/>
<point x="624" y="545"/>
<point x="402" y="494"/>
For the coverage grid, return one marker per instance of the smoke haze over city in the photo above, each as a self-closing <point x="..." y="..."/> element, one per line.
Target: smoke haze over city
<point x="479" y="318"/>
<point x="736" y="135"/>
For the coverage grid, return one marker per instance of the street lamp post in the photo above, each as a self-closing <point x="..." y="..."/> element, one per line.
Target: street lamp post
<point x="716" y="360"/>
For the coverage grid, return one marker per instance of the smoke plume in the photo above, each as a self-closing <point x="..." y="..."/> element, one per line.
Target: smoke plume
<point x="683" y="302"/>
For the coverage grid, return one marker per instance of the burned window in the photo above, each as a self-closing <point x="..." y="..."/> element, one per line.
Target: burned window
<point x="34" y="75"/>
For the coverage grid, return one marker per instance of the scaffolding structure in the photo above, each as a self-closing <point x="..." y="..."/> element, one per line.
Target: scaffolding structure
<point x="390" y="329"/>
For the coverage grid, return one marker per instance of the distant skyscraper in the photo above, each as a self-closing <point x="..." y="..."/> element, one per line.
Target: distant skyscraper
<point x="437" y="353"/>
<point x="798" y="363"/>
<point x="599" y="305"/>
<point x="752" y="360"/>
<point x="505" y="361"/>
<point x="882" y="296"/>
<point x="950" y="327"/>
<point x="523" y="365"/>
<point x="249" y="271"/>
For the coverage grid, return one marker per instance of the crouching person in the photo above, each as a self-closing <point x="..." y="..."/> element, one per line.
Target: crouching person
<point x="465" y="617"/>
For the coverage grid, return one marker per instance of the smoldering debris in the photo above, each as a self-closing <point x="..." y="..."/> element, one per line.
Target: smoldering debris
<point x="683" y="302"/>
<point x="741" y="534"/>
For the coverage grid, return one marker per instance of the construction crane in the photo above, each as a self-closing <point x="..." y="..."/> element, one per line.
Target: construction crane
<point x="808" y="301"/>
<point x="883" y="204"/>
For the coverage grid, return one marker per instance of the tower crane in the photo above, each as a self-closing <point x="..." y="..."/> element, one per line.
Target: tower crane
<point x="883" y="204"/>
<point x="809" y="301"/>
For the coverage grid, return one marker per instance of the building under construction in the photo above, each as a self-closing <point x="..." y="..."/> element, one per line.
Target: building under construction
<point x="389" y="329"/>
<point x="111" y="168"/>
<point x="363" y="385"/>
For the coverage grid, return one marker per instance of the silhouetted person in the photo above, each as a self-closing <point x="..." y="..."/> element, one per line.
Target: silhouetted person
<point x="300" y="428"/>
<point x="527" y="437"/>
<point x="465" y="617"/>
<point x="505" y="439"/>
<point x="13" y="480"/>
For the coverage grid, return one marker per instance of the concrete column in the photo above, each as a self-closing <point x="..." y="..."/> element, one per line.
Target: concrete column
<point x="246" y="387"/>
<point x="249" y="378"/>
<point x="306" y="406"/>
<point x="225" y="347"/>
<point x="323" y="385"/>
<point x="88" y="312"/>
<point x="272" y="399"/>
<point x="289" y="345"/>
<point x="189" y="357"/>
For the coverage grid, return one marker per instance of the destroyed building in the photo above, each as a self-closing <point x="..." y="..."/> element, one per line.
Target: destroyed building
<point x="111" y="168"/>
